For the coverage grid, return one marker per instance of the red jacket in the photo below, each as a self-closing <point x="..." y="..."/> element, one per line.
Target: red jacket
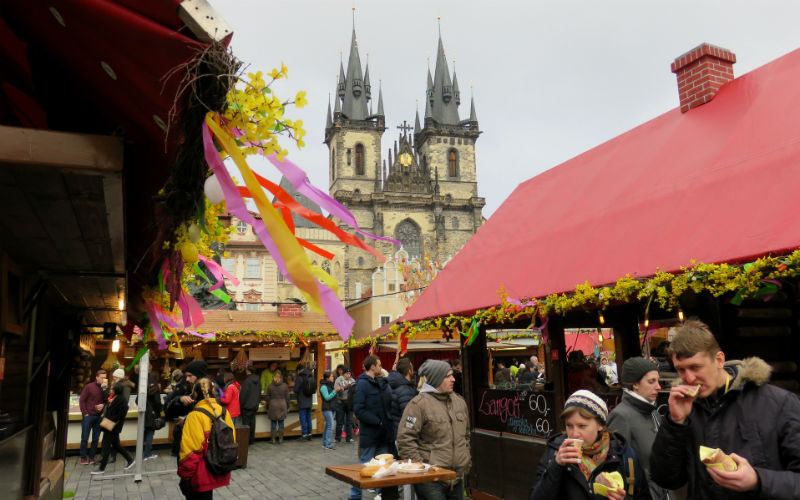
<point x="231" y="399"/>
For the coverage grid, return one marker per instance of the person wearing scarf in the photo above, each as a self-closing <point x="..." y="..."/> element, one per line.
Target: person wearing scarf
<point x="636" y="417"/>
<point x="566" y="474"/>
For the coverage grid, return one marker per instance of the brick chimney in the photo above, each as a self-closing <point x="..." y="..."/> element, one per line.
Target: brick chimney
<point x="701" y="72"/>
<point x="290" y="310"/>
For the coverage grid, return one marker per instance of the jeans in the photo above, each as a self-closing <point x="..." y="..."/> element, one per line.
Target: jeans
<point x="344" y="418"/>
<point x="327" y="434"/>
<point x="249" y="419"/>
<point x="90" y="423"/>
<point x="276" y="424"/>
<point x="236" y="421"/>
<point x="147" y="442"/>
<point x="367" y="454"/>
<point x="440" y="490"/>
<point x="305" y="421"/>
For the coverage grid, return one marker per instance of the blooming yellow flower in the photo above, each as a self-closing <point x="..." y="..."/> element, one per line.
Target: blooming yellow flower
<point x="284" y="70"/>
<point x="300" y="99"/>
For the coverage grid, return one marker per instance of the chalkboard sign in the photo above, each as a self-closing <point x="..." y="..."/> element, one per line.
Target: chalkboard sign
<point x="525" y="412"/>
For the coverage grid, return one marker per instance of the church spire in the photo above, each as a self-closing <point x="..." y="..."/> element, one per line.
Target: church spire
<point x="417" y="128"/>
<point x="473" y="117"/>
<point x="443" y="98"/>
<point x="354" y="101"/>
<point x="380" y="99"/>
<point x="367" y="86"/>
<point x="329" y="120"/>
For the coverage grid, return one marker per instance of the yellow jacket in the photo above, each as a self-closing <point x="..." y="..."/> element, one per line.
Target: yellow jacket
<point x="197" y="426"/>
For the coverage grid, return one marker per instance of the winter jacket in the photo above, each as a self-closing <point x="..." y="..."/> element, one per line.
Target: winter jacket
<point x="755" y="420"/>
<point x="266" y="379"/>
<point x="638" y="421"/>
<point x="154" y="406"/>
<point x="303" y="402"/>
<point x="328" y="396"/>
<point x="91" y="396"/>
<point x="372" y="404"/>
<point x="194" y="442"/>
<point x="558" y="482"/>
<point x="346" y="384"/>
<point x="173" y="408"/>
<point x="277" y="400"/>
<point x="116" y="411"/>
<point x="230" y="400"/>
<point x="127" y="389"/>
<point x="403" y="391"/>
<point x="434" y="429"/>
<point x="250" y="394"/>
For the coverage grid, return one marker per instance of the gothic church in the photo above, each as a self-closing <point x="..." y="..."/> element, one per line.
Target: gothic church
<point x="424" y="193"/>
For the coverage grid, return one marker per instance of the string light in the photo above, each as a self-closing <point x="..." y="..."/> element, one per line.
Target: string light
<point x="115" y="346"/>
<point x="601" y="318"/>
<point x="680" y="314"/>
<point x="646" y="323"/>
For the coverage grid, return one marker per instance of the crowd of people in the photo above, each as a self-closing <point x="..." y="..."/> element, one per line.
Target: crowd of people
<point x="515" y="373"/>
<point x="722" y="405"/>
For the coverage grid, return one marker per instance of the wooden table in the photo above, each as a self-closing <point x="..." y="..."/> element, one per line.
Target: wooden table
<point x="351" y="474"/>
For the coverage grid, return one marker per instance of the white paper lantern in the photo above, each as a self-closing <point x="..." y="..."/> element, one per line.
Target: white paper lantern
<point x="213" y="190"/>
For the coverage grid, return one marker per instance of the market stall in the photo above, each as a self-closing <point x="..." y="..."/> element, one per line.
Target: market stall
<point x="633" y="235"/>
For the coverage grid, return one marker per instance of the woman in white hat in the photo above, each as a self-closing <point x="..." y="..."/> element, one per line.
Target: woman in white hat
<point x="573" y="462"/>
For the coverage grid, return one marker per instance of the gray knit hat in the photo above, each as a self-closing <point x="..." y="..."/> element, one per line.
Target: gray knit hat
<point x="434" y="371"/>
<point x="635" y="368"/>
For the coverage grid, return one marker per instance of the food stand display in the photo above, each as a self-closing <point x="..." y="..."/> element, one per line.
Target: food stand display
<point x="255" y="336"/>
<point x="642" y="231"/>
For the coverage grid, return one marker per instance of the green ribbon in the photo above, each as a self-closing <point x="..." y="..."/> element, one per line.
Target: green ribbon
<point x="473" y="332"/>
<point x="218" y="293"/>
<point x="137" y="358"/>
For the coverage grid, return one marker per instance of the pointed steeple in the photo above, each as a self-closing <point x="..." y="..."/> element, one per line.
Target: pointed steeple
<point x="367" y="86"/>
<point x="380" y="100"/>
<point x="341" y="84"/>
<point x="354" y="102"/>
<point x="417" y="128"/>
<point x="428" y="111"/>
<point x="455" y="86"/>
<point x="473" y="116"/>
<point x="329" y="120"/>
<point x="444" y="100"/>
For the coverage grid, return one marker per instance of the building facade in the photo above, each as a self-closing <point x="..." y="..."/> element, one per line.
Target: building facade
<point x="424" y="192"/>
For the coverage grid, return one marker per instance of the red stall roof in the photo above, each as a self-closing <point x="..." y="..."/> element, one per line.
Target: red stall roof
<point x="720" y="183"/>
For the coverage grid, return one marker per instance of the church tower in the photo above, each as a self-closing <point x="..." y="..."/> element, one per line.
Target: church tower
<point x="446" y="143"/>
<point x="352" y="132"/>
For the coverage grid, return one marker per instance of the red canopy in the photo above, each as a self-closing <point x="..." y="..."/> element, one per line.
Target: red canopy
<point x="720" y="183"/>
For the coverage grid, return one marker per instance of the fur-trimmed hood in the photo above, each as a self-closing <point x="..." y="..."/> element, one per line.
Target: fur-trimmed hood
<point x="754" y="370"/>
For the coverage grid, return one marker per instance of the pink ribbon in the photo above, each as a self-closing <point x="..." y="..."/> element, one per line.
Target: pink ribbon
<point x="153" y="315"/>
<point x="218" y="272"/>
<point x="236" y="206"/>
<point x="516" y="302"/>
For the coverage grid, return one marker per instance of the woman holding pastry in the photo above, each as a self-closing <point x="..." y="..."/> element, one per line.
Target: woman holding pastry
<point x="589" y="461"/>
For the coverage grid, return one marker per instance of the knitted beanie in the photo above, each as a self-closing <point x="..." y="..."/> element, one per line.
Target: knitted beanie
<point x="635" y="368"/>
<point x="197" y="368"/>
<point x="590" y="402"/>
<point x="434" y="371"/>
<point x="118" y="373"/>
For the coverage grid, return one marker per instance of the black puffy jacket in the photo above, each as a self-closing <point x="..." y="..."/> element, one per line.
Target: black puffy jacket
<point x="250" y="393"/>
<point x="755" y="420"/>
<point x="558" y="482"/>
<point x="372" y="404"/>
<point x="403" y="391"/>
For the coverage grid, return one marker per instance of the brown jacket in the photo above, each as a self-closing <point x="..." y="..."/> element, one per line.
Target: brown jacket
<point x="435" y="429"/>
<point x="277" y="401"/>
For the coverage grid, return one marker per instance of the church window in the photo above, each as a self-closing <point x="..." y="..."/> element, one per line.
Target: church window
<point x="408" y="234"/>
<point x="281" y="279"/>
<point x="455" y="222"/>
<point x="241" y="227"/>
<point x="452" y="141"/>
<point x="452" y="163"/>
<point x="357" y="191"/>
<point x="333" y="161"/>
<point x="359" y="159"/>
<point x="326" y="266"/>
<point x="349" y="154"/>
<point x="438" y="140"/>
<point x="360" y="262"/>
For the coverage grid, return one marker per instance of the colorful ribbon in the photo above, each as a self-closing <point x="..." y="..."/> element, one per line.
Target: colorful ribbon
<point x="273" y="232"/>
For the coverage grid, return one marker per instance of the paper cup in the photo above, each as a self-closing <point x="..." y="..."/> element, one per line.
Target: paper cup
<point x="578" y="445"/>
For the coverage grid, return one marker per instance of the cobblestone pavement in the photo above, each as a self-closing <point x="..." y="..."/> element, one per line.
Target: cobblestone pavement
<point x="293" y="470"/>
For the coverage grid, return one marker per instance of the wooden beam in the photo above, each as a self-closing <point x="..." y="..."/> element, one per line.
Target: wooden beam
<point x="60" y="150"/>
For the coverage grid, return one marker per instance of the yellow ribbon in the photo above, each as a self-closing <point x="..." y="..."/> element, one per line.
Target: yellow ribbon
<point x="302" y="272"/>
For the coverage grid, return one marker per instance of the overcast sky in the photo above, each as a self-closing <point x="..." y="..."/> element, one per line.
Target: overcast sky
<point x="551" y="79"/>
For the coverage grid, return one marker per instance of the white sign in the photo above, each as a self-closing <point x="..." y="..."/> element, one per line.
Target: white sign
<point x="222" y="353"/>
<point x="280" y="353"/>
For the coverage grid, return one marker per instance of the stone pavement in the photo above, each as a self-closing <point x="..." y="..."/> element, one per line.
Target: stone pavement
<point x="293" y="470"/>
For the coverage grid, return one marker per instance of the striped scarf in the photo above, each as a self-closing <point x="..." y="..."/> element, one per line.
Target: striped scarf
<point x="594" y="455"/>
